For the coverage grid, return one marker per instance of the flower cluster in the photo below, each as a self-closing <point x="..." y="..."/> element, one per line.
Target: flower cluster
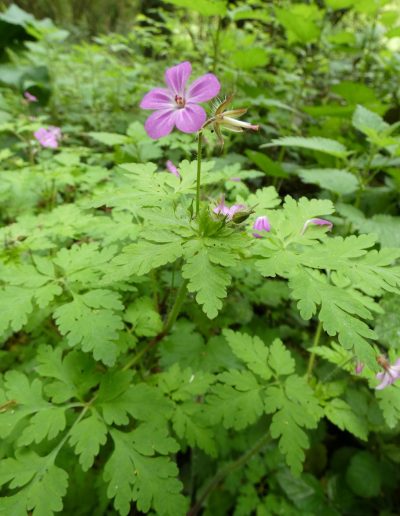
<point x="49" y="137"/>
<point x="223" y="209"/>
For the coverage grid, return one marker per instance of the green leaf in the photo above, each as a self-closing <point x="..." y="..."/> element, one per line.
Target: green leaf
<point x="145" y="319"/>
<point x="316" y="143"/>
<point x="334" y="180"/>
<point x="45" y="484"/>
<point x="368" y="122"/>
<point x="87" y="324"/>
<point x="15" y="306"/>
<point x="237" y="401"/>
<point x="145" y="479"/>
<point x="72" y="376"/>
<point x="294" y="407"/>
<point x="251" y="350"/>
<point x="204" y="7"/>
<point x="208" y="280"/>
<point x="342" y="415"/>
<point x="46" y="424"/>
<point x="266" y="164"/>
<point x="111" y="139"/>
<point x="87" y="436"/>
<point x="250" y="58"/>
<point x="363" y="475"/>
<point x="280" y="359"/>
<point x="389" y="403"/>
<point x="141" y="258"/>
<point x="301" y="22"/>
<point x="118" y="398"/>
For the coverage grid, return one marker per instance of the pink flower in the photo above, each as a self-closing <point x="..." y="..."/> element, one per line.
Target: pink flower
<point x="235" y="179"/>
<point x="390" y="374"/>
<point x="48" y="137"/>
<point x="223" y="209"/>
<point x="172" y="168"/>
<point x="177" y="105"/>
<point x="261" y="224"/>
<point x="29" y="97"/>
<point x="359" y="367"/>
<point x="317" y="222"/>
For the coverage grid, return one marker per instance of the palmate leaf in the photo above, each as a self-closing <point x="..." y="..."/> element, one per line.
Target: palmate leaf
<point x="91" y="322"/>
<point x="43" y="485"/>
<point x="135" y="474"/>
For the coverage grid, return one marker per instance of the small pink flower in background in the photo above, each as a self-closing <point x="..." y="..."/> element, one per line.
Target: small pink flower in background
<point x="223" y="209"/>
<point x="49" y="137"/>
<point x="390" y="374"/>
<point x="172" y="168"/>
<point x="29" y="97"/>
<point x="317" y="222"/>
<point x="235" y="179"/>
<point x="359" y="367"/>
<point x="261" y="224"/>
<point x="178" y="104"/>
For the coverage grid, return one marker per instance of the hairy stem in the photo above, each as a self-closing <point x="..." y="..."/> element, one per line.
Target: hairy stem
<point x="311" y="360"/>
<point x="198" y="180"/>
<point x="225" y="471"/>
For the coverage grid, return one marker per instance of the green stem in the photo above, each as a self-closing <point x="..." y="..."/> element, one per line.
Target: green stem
<point x="180" y="297"/>
<point x="225" y="471"/>
<point x="311" y="360"/>
<point x="199" y="151"/>
<point x="175" y="310"/>
<point x="216" y="45"/>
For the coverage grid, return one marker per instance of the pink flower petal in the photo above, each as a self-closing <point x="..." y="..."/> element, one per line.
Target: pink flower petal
<point x="190" y="118"/>
<point x="204" y="88"/>
<point x="386" y="380"/>
<point x="176" y="77"/>
<point x="262" y="224"/>
<point x="317" y="222"/>
<point x="160" y="123"/>
<point x="172" y="168"/>
<point x="158" y="98"/>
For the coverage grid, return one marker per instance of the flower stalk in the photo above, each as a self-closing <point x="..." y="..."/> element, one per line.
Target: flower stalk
<point x="198" y="177"/>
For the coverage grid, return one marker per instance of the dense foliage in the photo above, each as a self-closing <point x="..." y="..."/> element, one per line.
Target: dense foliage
<point x="234" y="353"/>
